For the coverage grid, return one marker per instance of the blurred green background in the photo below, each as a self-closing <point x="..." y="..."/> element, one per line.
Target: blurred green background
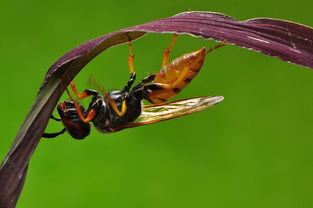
<point x="252" y="150"/>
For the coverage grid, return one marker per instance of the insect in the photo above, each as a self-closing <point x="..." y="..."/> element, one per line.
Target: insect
<point x="120" y="109"/>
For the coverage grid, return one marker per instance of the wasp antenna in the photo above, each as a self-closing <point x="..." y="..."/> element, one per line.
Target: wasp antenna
<point x="70" y="96"/>
<point x="89" y="80"/>
<point x="111" y="101"/>
<point x="216" y="47"/>
<point x="94" y="82"/>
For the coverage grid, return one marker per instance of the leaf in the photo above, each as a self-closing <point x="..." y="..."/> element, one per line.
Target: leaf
<point x="288" y="41"/>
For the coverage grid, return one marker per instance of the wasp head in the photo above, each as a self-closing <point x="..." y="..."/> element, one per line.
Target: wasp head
<point x="71" y="121"/>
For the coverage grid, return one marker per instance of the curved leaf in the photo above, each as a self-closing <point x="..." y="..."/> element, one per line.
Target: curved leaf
<point x="288" y="41"/>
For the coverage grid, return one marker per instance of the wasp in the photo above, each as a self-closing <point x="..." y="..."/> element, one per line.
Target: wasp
<point x="119" y="109"/>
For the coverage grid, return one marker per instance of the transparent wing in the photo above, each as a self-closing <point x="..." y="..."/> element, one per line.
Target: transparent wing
<point x="161" y="112"/>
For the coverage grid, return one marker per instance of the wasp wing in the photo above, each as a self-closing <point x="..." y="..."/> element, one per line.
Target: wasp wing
<point x="161" y="112"/>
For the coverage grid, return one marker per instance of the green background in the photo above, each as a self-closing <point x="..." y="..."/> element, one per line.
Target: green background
<point x="252" y="150"/>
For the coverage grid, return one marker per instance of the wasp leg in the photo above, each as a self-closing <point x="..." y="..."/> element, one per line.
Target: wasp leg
<point x="215" y="47"/>
<point x="52" y="135"/>
<point x="130" y="82"/>
<point x="146" y="80"/>
<point x="126" y="88"/>
<point x="142" y="88"/>
<point x="115" y="108"/>
<point x="131" y="58"/>
<point x="158" y="86"/>
<point x="84" y="94"/>
<point x="54" y="118"/>
<point x="90" y="115"/>
<point x="168" y="51"/>
<point x="159" y="92"/>
<point x="139" y="91"/>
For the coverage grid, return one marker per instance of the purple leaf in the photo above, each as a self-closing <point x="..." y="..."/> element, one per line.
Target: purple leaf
<point x="288" y="41"/>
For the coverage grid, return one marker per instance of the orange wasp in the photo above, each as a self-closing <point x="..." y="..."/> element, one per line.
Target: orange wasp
<point x="121" y="109"/>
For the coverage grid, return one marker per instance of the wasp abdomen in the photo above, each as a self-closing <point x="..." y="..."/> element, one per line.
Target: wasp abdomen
<point x="176" y="75"/>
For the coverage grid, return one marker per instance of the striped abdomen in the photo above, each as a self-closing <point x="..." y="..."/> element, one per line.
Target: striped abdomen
<point x="175" y="76"/>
